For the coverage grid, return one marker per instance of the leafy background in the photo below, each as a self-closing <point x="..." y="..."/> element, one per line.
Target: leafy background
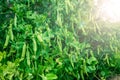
<point x="56" y="39"/>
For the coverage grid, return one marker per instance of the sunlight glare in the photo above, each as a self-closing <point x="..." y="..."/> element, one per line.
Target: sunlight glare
<point x="110" y="10"/>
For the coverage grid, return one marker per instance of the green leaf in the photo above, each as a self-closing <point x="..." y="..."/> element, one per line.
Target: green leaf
<point x="51" y="76"/>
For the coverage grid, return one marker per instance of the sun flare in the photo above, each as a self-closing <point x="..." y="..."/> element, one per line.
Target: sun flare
<point x="109" y="10"/>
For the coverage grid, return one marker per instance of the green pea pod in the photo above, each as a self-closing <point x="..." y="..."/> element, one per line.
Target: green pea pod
<point x="59" y="45"/>
<point x="59" y="21"/>
<point x="66" y="7"/>
<point x="10" y="32"/>
<point x="34" y="45"/>
<point x="15" y="20"/>
<point x="107" y="59"/>
<point x="6" y="41"/>
<point x="70" y="5"/>
<point x="84" y="32"/>
<point x="28" y="57"/>
<point x="82" y="74"/>
<point x="84" y="67"/>
<point x="23" y="51"/>
<point x="39" y="38"/>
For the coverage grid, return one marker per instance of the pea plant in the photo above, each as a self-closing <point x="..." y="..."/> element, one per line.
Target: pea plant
<point x="55" y="40"/>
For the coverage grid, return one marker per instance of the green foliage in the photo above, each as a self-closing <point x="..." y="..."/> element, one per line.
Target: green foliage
<point x="55" y="40"/>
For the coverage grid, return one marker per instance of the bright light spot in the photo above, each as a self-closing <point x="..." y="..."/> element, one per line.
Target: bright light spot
<point x="109" y="10"/>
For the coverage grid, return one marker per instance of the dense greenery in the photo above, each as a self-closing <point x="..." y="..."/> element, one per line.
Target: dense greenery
<point x="55" y="39"/>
